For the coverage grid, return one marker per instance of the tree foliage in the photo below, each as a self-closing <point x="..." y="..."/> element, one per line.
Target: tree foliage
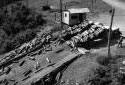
<point x="107" y="74"/>
<point x="17" y="26"/>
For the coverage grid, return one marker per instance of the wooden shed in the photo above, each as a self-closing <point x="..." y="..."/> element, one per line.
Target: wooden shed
<point x="74" y="15"/>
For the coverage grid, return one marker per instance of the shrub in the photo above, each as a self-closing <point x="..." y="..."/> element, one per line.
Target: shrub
<point x="20" y="25"/>
<point x="106" y="75"/>
<point x="102" y="60"/>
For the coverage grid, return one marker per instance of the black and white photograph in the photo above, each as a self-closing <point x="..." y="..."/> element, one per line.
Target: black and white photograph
<point x="62" y="42"/>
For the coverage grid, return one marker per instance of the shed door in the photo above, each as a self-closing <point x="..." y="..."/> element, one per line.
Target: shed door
<point x="66" y="17"/>
<point x="81" y="17"/>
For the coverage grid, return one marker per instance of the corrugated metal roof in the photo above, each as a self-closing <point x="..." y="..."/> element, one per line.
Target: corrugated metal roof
<point x="78" y="10"/>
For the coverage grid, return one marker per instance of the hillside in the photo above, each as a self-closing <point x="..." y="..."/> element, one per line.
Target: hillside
<point x="97" y="7"/>
<point x="41" y="47"/>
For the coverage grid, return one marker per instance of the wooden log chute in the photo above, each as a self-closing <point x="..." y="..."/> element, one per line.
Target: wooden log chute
<point x="54" y="76"/>
<point x="26" y="48"/>
<point x="81" y="33"/>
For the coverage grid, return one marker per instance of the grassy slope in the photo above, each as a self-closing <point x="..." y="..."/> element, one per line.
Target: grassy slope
<point x="98" y="5"/>
<point x="79" y="70"/>
<point x="85" y="68"/>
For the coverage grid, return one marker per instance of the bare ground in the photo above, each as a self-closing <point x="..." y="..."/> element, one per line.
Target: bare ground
<point x="80" y="70"/>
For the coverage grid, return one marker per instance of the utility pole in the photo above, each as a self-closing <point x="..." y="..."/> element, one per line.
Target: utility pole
<point x="27" y="5"/>
<point x="5" y="3"/>
<point x="61" y="14"/>
<point x="92" y="4"/>
<point x="110" y="30"/>
<point x="47" y="2"/>
<point x="65" y="6"/>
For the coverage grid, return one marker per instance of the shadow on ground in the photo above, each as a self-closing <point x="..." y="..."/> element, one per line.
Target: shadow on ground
<point x="98" y="44"/>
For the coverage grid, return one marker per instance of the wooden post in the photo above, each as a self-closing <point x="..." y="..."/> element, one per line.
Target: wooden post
<point x="65" y="6"/>
<point x="27" y="5"/>
<point x="109" y="34"/>
<point x="5" y="3"/>
<point x="47" y="2"/>
<point x="55" y="16"/>
<point x="61" y="14"/>
<point x="92" y="4"/>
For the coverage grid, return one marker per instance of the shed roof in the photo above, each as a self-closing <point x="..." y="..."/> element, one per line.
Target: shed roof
<point x="78" y="10"/>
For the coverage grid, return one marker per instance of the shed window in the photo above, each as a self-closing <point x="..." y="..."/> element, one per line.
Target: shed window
<point x="65" y="15"/>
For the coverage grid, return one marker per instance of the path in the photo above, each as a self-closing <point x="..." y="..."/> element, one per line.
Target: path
<point x="119" y="19"/>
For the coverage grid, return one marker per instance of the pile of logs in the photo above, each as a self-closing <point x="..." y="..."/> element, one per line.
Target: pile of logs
<point x="73" y="35"/>
<point x="92" y="31"/>
<point x="72" y="31"/>
<point x="43" y="40"/>
<point x="33" y="45"/>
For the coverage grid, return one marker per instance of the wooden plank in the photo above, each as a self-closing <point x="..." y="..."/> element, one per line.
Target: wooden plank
<point x="48" y="70"/>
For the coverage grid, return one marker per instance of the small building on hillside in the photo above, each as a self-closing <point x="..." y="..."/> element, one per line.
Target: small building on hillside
<point x="74" y="15"/>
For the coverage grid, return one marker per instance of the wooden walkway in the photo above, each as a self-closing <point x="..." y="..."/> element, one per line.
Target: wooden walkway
<point x="50" y="69"/>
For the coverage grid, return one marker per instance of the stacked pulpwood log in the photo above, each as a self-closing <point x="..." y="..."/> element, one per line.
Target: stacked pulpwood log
<point x="92" y="31"/>
<point x="35" y="44"/>
<point x="42" y="41"/>
<point x="72" y="31"/>
<point x="83" y="32"/>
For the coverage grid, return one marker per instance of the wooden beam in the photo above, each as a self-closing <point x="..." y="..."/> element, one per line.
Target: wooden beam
<point x="53" y="68"/>
<point x="61" y="14"/>
<point x="110" y="30"/>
